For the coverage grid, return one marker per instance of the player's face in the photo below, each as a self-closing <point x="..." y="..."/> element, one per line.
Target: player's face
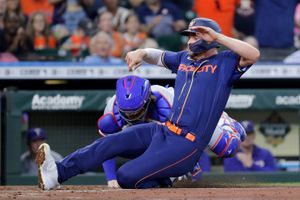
<point x="34" y="145"/>
<point x="192" y="38"/>
<point x="249" y="141"/>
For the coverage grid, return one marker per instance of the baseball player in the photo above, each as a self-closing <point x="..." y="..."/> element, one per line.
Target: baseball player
<point x="121" y="112"/>
<point x="202" y="87"/>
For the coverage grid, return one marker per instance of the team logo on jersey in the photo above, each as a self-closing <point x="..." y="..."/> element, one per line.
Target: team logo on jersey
<point x="274" y="128"/>
<point x="204" y="69"/>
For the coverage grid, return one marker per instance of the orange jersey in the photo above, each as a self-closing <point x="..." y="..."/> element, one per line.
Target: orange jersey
<point x="42" y="42"/>
<point x="221" y="11"/>
<point x="134" y="42"/>
<point x="80" y="42"/>
<point x="31" y="6"/>
<point x="117" y="50"/>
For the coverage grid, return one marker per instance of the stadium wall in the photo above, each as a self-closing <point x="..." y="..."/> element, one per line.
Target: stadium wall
<point x="70" y="120"/>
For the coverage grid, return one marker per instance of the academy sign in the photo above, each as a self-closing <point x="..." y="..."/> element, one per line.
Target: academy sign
<point x="288" y="100"/>
<point x="240" y="101"/>
<point x="57" y="102"/>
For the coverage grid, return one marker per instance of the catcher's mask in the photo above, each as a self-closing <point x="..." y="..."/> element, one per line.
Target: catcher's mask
<point x="200" y="45"/>
<point x="133" y="98"/>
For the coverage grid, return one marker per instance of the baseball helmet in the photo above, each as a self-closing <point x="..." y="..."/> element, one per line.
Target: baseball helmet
<point x="201" y="45"/>
<point x="36" y="134"/>
<point x="133" y="98"/>
<point x="248" y="126"/>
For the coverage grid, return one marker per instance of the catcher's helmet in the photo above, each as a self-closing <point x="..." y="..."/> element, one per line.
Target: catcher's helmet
<point x="201" y="45"/>
<point x="133" y="98"/>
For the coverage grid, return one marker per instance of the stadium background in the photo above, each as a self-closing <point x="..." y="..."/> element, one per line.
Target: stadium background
<point x="270" y="88"/>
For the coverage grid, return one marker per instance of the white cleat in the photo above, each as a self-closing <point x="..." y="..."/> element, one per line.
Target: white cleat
<point x="47" y="174"/>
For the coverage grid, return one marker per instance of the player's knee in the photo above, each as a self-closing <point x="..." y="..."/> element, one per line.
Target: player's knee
<point x="125" y="179"/>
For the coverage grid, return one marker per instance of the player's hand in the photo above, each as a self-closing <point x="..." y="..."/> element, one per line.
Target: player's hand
<point x="206" y="33"/>
<point x="113" y="184"/>
<point x="135" y="58"/>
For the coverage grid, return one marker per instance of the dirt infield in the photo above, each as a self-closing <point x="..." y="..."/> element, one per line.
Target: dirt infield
<point x="101" y="192"/>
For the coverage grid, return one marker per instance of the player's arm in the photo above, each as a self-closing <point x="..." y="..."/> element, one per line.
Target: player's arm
<point x="135" y="58"/>
<point x="109" y="168"/>
<point x="249" y="54"/>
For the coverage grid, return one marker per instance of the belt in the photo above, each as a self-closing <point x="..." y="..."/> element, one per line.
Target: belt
<point x="180" y="131"/>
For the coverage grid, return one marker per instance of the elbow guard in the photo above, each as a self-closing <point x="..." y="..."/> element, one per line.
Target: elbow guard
<point x="107" y="124"/>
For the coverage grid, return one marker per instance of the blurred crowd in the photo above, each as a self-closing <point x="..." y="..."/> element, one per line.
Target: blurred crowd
<point x="102" y="31"/>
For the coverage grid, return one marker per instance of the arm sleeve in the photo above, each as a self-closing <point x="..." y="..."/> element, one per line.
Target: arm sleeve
<point x="109" y="168"/>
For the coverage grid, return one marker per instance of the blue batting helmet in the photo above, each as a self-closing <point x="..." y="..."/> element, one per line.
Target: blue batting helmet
<point x="201" y="45"/>
<point x="133" y="97"/>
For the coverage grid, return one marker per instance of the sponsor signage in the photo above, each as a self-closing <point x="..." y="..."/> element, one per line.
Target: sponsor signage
<point x="42" y="70"/>
<point x="56" y="102"/>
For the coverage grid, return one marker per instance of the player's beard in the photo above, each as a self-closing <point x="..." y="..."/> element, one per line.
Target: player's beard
<point x="194" y="55"/>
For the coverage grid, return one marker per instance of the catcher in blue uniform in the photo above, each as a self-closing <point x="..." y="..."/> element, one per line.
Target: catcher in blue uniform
<point x="122" y="111"/>
<point x="204" y="79"/>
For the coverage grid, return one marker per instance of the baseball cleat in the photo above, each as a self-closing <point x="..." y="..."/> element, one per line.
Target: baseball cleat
<point x="47" y="170"/>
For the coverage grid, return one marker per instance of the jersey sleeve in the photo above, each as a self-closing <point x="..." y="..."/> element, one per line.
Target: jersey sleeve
<point x="171" y="60"/>
<point x="232" y="61"/>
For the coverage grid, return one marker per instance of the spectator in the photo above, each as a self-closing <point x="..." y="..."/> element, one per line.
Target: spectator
<point x="297" y="25"/>
<point x="134" y="4"/>
<point x="220" y="11"/>
<point x="73" y="15"/>
<point x="38" y="30"/>
<point x="100" y="50"/>
<point x="61" y="34"/>
<point x="160" y="18"/>
<point x="251" y="157"/>
<point x="31" y="6"/>
<point x="133" y="38"/>
<point x="1" y="21"/>
<point x="119" y="13"/>
<point x="13" y="6"/>
<point x="35" y="137"/>
<point x="91" y="8"/>
<point x="2" y="10"/>
<point x="59" y="8"/>
<point x="274" y="23"/>
<point x="2" y="6"/>
<point x="13" y="38"/>
<point x="244" y="19"/>
<point x="294" y="57"/>
<point x="184" y="6"/>
<point x="77" y="43"/>
<point x="105" y="23"/>
<point x="8" y="57"/>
